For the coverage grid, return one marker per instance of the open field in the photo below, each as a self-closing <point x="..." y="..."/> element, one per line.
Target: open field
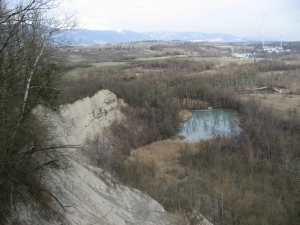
<point x="146" y="51"/>
<point x="280" y="102"/>
<point x="91" y="55"/>
<point x="222" y="60"/>
<point x="165" y="155"/>
<point x="114" y="52"/>
<point x="162" y="151"/>
<point x="151" y="59"/>
<point x="125" y="51"/>
<point x="95" y="67"/>
<point x="81" y="71"/>
<point x="108" y="64"/>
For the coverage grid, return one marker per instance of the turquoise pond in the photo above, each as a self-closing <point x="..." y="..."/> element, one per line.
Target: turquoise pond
<point x="205" y="123"/>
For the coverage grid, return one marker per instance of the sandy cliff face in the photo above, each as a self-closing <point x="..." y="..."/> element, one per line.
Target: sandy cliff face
<point x="89" y="194"/>
<point x="74" y="122"/>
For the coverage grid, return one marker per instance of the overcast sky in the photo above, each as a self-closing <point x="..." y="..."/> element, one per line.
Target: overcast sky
<point x="268" y="18"/>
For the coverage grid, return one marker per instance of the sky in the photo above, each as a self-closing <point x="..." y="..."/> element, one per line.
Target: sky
<point x="255" y="18"/>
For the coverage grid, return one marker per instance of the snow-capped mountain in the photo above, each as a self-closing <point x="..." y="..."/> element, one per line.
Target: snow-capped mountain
<point x="89" y="37"/>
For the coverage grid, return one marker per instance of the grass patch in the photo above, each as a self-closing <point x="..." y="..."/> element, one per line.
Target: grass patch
<point x="222" y="60"/>
<point x="84" y="70"/>
<point x="281" y="103"/>
<point x="81" y="70"/>
<point x="116" y="67"/>
<point x="153" y="59"/>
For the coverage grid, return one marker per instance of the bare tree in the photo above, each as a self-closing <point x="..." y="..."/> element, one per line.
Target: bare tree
<point x="30" y="68"/>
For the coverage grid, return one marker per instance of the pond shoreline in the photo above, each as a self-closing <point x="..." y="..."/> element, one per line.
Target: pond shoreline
<point x="203" y="124"/>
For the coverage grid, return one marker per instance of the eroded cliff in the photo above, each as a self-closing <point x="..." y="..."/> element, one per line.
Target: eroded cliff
<point x="87" y="194"/>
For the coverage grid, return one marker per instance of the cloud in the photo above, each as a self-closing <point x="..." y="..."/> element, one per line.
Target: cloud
<point x="230" y="16"/>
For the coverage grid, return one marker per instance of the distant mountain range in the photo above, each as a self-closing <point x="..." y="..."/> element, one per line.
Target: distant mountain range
<point x="192" y="36"/>
<point x="90" y="37"/>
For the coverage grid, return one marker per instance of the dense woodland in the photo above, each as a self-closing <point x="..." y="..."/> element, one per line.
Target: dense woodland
<point x="251" y="177"/>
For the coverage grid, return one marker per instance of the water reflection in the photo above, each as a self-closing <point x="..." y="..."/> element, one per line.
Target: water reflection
<point x="206" y="122"/>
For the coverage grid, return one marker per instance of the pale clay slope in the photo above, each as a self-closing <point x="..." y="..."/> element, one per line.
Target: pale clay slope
<point x="84" y="118"/>
<point x="89" y="194"/>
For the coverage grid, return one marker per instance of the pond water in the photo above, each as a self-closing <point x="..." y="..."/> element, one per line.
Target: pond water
<point x="205" y="123"/>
